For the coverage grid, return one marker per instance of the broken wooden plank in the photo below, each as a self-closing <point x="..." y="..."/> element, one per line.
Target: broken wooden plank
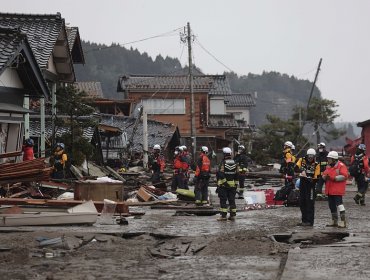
<point x="121" y="207"/>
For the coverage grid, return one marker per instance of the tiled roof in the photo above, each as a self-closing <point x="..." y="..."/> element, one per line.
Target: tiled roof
<point x="35" y="130"/>
<point x="10" y="42"/>
<point x="240" y="100"/>
<point x="15" y="51"/>
<point x="225" y="121"/>
<point x="72" y="33"/>
<point x="158" y="132"/>
<point x="213" y="84"/>
<point x="42" y="32"/>
<point x="92" y="89"/>
<point x="74" y="42"/>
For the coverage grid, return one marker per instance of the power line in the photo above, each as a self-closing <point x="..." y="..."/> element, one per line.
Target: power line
<point x="215" y="58"/>
<point x="166" y="34"/>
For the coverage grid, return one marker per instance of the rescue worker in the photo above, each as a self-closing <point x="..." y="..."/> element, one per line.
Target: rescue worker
<point x="156" y="164"/>
<point x="59" y="162"/>
<point x="202" y="175"/>
<point x="287" y="163"/>
<point x="178" y="173"/>
<point x="227" y="175"/>
<point x="309" y="170"/>
<point x="242" y="160"/>
<point x="27" y="149"/>
<point x="335" y="177"/>
<point x="186" y="162"/>
<point x="359" y="168"/>
<point x="321" y="155"/>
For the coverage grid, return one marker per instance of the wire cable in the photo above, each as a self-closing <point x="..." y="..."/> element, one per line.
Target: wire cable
<point x="214" y="57"/>
<point x="166" y="34"/>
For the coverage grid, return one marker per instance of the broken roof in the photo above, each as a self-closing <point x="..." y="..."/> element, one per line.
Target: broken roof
<point x="158" y="132"/>
<point x="240" y="100"/>
<point x="213" y="84"/>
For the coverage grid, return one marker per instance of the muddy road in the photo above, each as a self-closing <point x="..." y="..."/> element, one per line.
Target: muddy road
<point x="161" y="245"/>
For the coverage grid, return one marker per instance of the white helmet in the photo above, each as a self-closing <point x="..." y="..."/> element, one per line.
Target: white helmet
<point x="311" y="152"/>
<point x="289" y="144"/>
<point x="322" y="145"/>
<point x="156" y="147"/>
<point x="204" y="149"/>
<point x="241" y="147"/>
<point x="333" y="155"/>
<point x="184" y="148"/>
<point x="226" y="150"/>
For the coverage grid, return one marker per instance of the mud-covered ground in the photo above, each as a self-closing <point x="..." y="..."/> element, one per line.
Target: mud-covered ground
<point x="161" y="245"/>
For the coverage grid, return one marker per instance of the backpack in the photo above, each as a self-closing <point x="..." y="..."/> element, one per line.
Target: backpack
<point x="293" y="198"/>
<point x="283" y="193"/>
<point x="354" y="169"/>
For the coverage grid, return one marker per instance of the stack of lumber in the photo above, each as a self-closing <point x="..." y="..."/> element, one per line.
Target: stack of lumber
<point x="26" y="171"/>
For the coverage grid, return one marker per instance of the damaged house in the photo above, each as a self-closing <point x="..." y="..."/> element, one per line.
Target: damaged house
<point x="168" y="99"/>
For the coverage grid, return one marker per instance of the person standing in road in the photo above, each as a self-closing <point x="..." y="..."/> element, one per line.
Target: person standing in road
<point x="227" y="175"/>
<point x="178" y="173"/>
<point x="288" y="163"/>
<point x="242" y="160"/>
<point x="321" y="155"/>
<point x="335" y="177"/>
<point x="202" y="175"/>
<point x="156" y="164"/>
<point x="309" y="170"/>
<point x="359" y="168"/>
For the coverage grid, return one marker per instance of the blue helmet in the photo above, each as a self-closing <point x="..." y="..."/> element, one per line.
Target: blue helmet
<point x="61" y="145"/>
<point x="29" y="142"/>
<point x="362" y="147"/>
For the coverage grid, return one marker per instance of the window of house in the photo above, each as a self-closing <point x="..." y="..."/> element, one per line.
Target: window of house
<point x="164" y="106"/>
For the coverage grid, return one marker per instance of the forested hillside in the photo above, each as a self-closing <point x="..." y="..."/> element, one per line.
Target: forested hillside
<point x="276" y="93"/>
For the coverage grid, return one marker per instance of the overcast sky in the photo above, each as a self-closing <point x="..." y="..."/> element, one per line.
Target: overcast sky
<point x="246" y="36"/>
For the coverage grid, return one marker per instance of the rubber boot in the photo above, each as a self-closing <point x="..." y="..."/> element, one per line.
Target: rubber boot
<point x="357" y="198"/>
<point x="334" y="220"/>
<point x="222" y="218"/>
<point x="198" y="203"/>
<point x="240" y="194"/>
<point x="343" y="222"/>
<point x="231" y="218"/>
<point x="362" y="200"/>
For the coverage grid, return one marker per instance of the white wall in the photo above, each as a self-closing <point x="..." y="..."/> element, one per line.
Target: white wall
<point x="217" y="106"/>
<point x="10" y="78"/>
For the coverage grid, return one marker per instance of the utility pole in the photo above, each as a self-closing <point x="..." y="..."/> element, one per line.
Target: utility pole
<point x="309" y="99"/>
<point x="145" y="138"/>
<point x="192" y="111"/>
